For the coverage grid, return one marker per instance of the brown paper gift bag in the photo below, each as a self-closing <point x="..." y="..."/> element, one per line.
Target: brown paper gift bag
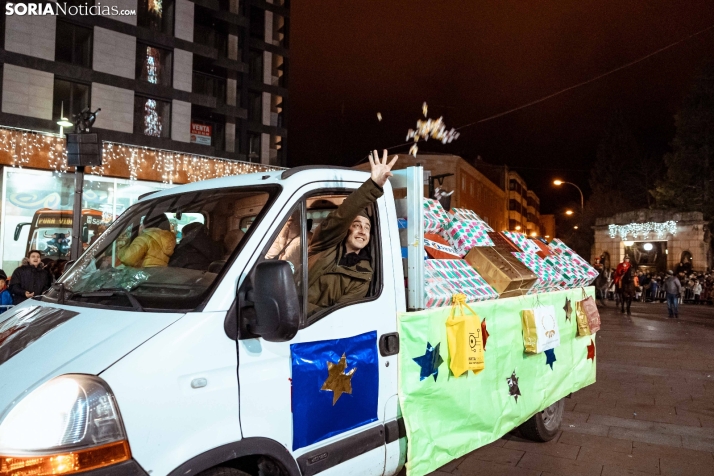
<point x="592" y="315"/>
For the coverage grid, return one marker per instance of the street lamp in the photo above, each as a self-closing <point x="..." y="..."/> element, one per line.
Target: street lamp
<point x="569" y="212"/>
<point x="582" y="201"/>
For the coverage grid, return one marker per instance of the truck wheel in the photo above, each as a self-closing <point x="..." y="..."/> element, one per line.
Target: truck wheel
<point x="223" y="471"/>
<point x="544" y="426"/>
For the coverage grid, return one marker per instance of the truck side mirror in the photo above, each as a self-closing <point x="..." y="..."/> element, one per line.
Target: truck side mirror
<point x="276" y="303"/>
<point x="18" y="230"/>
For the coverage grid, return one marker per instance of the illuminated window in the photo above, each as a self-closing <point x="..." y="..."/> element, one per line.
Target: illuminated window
<point x="153" y="64"/>
<point x="156" y="15"/>
<point x="152" y="117"/>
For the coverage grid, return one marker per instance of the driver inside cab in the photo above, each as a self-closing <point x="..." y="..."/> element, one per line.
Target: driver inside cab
<point x="339" y="260"/>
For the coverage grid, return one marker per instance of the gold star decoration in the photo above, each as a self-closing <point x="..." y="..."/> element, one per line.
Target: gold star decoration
<point x="338" y="382"/>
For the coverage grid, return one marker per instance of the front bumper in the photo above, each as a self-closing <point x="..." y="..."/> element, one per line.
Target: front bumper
<point x="127" y="468"/>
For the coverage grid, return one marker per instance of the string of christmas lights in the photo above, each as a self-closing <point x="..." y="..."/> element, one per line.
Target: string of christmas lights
<point x="22" y="145"/>
<point x="642" y="230"/>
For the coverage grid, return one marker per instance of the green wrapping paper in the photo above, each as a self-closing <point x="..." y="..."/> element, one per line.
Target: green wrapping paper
<point x="448" y="417"/>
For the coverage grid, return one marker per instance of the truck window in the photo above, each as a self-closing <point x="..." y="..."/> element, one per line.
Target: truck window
<point x="166" y="253"/>
<point x="336" y="277"/>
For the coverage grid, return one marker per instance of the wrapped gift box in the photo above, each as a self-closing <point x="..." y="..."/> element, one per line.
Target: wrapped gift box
<point x="464" y="235"/>
<point x="570" y="275"/>
<point x="544" y="247"/>
<point x="464" y="214"/>
<point x="502" y="243"/>
<point x="567" y="254"/>
<point x="444" y="278"/>
<point x="435" y="217"/>
<point x="522" y="241"/>
<point x="502" y="271"/>
<point x="437" y="247"/>
<point x="549" y="278"/>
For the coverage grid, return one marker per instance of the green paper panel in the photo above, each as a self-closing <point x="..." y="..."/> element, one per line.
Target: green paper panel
<point x="453" y="416"/>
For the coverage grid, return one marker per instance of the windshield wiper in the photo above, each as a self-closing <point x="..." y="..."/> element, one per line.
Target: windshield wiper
<point x="109" y="292"/>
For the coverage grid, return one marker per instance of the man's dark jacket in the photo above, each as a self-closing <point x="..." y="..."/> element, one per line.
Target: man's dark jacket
<point x="330" y="283"/>
<point x="196" y="251"/>
<point x="35" y="279"/>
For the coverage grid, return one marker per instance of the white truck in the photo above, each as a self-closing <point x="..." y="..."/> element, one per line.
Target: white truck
<point x="175" y="371"/>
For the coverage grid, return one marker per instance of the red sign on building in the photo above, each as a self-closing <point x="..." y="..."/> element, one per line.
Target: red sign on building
<point x="200" y="134"/>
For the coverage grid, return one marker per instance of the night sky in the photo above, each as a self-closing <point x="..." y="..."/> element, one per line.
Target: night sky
<point x="472" y="59"/>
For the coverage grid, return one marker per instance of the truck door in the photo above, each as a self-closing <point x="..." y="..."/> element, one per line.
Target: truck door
<point x="323" y="394"/>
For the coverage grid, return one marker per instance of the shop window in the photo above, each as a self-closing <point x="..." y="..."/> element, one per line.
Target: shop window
<point x="152" y="117"/>
<point x="153" y="64"/>
<point x="69" y="98"/>
<point x="255" y="65"/>
<point x="73" y="44"/>
<point x="156" y="15"/>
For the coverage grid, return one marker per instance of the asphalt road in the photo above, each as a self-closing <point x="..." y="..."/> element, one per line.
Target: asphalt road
<point x="650" y="412"/>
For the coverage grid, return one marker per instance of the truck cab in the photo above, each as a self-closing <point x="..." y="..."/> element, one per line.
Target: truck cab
<point x="174" y="371"/>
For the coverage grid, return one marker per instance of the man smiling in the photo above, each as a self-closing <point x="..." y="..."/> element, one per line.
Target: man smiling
<point x="339" y="262"/>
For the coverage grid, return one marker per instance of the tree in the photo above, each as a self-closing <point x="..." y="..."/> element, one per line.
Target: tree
<point x="690" y="166"/>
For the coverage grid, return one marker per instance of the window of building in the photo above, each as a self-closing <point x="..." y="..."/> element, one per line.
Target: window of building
<point x="156" y="15"/>
<point x="210" y="85"/>
<point x="73" y="44"/>
<point x="152" y="117"/>
<point x="255" y="106"/>
<point x="255" y="65"/>
<point x="253" y="147"/>
<point x="257" y="23"/>
<point x="515" y="205"/>
<point x="154" y="64"/>
<point x="69" y="99"/>
<point x="511" y="184"/>
<point x="208" y="32"/>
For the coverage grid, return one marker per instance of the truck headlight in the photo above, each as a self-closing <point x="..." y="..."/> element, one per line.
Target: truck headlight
<point x="67" y="425"/>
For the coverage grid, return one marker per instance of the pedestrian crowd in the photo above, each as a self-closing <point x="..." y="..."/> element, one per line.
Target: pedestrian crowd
<point x="626" y="284"/>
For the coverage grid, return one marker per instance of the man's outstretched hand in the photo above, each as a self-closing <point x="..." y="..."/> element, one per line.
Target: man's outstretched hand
<point x="381" y="170"/>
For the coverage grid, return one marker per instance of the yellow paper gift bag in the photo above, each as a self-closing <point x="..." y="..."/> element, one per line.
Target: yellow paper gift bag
<point x="464" y="337"/>
<point x="582" y="318"/>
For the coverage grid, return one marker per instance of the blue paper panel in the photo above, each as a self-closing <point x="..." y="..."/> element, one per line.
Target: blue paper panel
<point x="316" y="414"/>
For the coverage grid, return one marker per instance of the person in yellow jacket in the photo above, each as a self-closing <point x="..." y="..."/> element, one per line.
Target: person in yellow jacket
<point x="153" y="247"/>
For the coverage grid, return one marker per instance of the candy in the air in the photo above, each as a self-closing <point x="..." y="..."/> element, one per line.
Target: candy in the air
<point x="413" y="150"/>
<point x="424" y="108"/>
<point x="379" y="116"/>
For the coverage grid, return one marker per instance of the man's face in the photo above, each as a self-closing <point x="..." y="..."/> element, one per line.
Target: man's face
<point x="34" y="259"/>
<point x="358" y="235"/>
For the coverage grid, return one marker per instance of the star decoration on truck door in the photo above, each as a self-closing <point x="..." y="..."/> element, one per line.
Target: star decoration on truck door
<point x="513" y="389"/>
<point x="430" y="362"/>
<point x="568" y="309"/>
<point x="338" y="382"/>
<point x="591" y="350"/>
<point x="550" y="357"/>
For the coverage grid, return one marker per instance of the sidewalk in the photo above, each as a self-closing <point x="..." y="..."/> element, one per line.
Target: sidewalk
<point x="650" y="412"/>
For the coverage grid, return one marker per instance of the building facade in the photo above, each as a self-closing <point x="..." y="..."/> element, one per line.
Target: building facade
<point x="471" y="188"/>
<point x="655" y="240"/>
<point x="524" y="208"/>
<point x="206" y="77"/>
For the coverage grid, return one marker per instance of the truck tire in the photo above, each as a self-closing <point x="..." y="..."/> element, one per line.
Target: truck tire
<point x="544" y="426"/>
<point x="223" y="471"/>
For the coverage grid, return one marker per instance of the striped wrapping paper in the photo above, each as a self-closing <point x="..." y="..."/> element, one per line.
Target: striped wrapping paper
<point x="522" y="241"/>
<point x="564" y="250"/>
<point x="445" y="278"/>
<point x="435" y="217"/>
<point x="548" y="277"/>
<point x="464" y="214"/>
<point x="464" y="235"/>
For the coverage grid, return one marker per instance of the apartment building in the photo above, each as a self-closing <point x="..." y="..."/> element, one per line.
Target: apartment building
<point x="205" y="77"/>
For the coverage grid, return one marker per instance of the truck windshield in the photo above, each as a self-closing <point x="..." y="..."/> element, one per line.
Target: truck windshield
<point x="165" y="253"/>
